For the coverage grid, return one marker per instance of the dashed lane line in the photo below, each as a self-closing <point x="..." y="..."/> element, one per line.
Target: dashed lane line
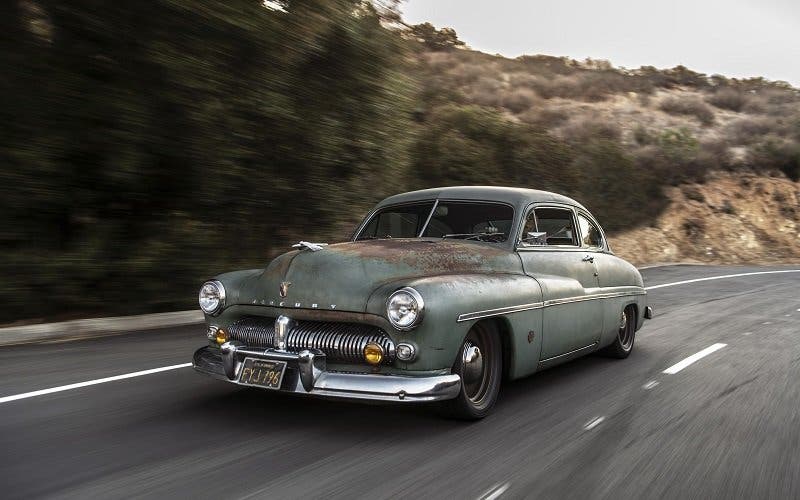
<point x="680" y="365"/>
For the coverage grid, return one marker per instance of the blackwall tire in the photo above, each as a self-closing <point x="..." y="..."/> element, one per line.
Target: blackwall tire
<point x="481" y="372"/>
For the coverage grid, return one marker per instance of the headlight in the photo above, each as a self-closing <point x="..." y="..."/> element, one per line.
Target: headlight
<point x="404" y="308"/>
<point x="212" y="297"/>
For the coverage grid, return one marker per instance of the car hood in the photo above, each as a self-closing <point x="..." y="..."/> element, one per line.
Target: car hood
<point x="343" y="276"/>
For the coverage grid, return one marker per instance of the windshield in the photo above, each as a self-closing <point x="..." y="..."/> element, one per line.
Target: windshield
<point x="478" y="221"/>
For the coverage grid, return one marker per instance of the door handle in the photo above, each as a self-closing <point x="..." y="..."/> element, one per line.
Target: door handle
<point x="588" y="258"/>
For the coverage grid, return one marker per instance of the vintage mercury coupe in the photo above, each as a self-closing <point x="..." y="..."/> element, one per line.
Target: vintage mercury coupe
<point x="439" y="296"/>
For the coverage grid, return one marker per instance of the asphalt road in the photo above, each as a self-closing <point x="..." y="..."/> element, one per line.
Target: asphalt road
<point x="726" y="426"/>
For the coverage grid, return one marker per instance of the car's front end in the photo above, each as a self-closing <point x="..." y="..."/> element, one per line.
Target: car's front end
<point x="342" y="321"/>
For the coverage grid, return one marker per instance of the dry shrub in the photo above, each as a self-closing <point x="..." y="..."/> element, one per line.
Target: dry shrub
<point x="691" y="106"/>
<point x="642" y="136"/>
<point x="693" y="193"/>
<point x="728" y="98"/>
<point x="715" y="154"/>
<point x="486" y="92"/>
<point x="749" y="130"/>
<point x="779" y="96"/>
<point x="440" y="61"/>
<point x="591" y="86"/>
<point x="524" y="80"/>
<point x="584" y="129"/>
<point x="545" y="117"/>
<point x="465" y="74"/>
<point x="519" y="100"/>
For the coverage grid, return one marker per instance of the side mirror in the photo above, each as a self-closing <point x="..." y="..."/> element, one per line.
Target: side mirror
<point x="536" y="239"/>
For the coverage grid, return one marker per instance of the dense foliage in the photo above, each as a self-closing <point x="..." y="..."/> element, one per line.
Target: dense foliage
<point x="149" y="145"/>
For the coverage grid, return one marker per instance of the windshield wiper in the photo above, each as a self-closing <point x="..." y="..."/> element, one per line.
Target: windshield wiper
<point x="474" y="236"/>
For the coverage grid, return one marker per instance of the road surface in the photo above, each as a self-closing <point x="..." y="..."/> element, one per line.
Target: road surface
<point x="723" y="423"/>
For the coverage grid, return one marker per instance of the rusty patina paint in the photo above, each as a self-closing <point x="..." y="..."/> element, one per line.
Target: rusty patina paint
<point x="343" y="276"/>
<point x="446" y="255"/>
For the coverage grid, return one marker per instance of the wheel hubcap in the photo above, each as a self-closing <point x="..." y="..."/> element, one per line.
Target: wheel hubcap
<point x="475" y="370"/>
<point x="473" y="363"/>
<point x="625" y="331"/>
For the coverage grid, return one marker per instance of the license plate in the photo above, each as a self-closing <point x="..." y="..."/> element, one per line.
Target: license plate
<point x="262" y="373"/>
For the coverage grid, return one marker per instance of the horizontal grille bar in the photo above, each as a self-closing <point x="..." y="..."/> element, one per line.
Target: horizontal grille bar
<point x="339" y="341"/>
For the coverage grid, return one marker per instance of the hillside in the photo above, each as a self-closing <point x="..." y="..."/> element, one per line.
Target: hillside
<point x="678" y="165"/>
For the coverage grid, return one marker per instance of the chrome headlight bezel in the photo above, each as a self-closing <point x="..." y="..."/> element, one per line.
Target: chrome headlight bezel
<point x="220" y="297"/>
<point x="418" y="309"/>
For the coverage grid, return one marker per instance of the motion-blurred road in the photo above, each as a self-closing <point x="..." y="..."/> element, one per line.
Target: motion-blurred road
<point x="726" y="426"/>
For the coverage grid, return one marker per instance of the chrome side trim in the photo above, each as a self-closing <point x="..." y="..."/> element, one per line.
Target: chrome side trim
<point x="599" y="296"/>
<point x="569" y="353"/>
<point x="540" y="305"/>
<point x="501" y="310"/>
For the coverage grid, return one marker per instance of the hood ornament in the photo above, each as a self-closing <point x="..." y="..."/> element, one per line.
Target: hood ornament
<point x="284" y="288"/>
<point x="307" y="245"/>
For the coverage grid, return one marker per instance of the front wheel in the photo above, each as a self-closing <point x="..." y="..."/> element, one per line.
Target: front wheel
<point x="480" y="365"/>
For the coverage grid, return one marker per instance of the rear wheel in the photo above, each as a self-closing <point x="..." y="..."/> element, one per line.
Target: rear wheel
<point x="480" y="365"/>
<point x="626" y="334"/>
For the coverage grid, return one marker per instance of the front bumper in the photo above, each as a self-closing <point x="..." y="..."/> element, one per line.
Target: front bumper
<point x="306" y="373"/>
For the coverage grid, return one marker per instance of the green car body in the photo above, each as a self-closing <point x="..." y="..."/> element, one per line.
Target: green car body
<point x="547" y="303"/>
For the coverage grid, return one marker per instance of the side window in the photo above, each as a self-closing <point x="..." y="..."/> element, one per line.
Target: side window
<point x="558" y="225"/>
<point x="590" y="233"/>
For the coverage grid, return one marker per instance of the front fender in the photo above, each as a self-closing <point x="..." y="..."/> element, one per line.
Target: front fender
<point x="454" y="303"/>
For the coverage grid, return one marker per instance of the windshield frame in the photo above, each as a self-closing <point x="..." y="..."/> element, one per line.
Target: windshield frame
<point x="509" y="237"/>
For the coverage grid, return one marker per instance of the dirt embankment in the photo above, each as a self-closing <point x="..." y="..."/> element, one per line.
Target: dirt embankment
<point x="731" y="219"/>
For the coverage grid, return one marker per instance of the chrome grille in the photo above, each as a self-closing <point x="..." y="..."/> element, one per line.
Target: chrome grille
<point x="339" y="341"/>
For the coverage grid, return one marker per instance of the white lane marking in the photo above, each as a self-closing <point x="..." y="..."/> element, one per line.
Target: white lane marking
<point x="591" y="424"/>
<point x="672" y="370"/>
<point x="69" y="387"/>
<point x="710" y="278"/>
<point x="495" y="492"/>
<point x="650" y="384"/>
<point x="747" y="333"/>
<point x="767" y="323"/>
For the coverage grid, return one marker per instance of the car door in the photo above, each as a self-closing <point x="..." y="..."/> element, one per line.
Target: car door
<point x="553" y="255"/>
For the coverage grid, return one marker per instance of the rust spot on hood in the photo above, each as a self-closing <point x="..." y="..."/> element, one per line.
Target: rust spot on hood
<point x="425" y="254"/>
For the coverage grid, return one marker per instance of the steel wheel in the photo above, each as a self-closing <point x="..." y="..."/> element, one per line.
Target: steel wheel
<point x="626" y="331"/>
<point x="626" y="335"/>
<point x="479" y="364"/>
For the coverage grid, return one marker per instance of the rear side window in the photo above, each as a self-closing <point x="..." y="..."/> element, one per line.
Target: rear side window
<point x="590" y="234"/>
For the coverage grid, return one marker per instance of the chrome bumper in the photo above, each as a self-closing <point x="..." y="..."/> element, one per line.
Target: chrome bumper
<point x="306" y="374"/>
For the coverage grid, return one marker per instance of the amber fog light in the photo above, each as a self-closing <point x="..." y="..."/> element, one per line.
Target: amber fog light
<point x="221" y="337"/>
<point x="373" y="353"/>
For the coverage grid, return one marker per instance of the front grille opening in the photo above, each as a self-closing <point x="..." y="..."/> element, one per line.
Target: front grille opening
<point x="343" y="342"/>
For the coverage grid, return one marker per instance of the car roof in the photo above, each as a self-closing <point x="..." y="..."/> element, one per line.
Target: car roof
<point x="518" y="197"/>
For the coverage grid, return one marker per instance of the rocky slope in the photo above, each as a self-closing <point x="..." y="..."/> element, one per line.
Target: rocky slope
<point x="730" y="219"/>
